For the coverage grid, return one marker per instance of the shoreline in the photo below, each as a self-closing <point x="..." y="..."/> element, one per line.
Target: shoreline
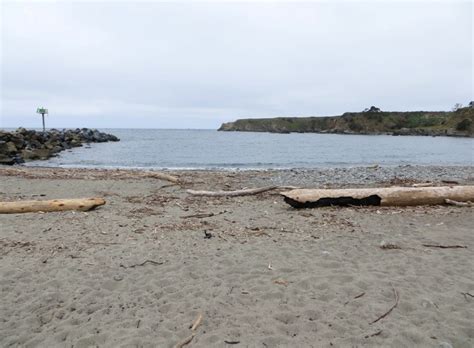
<point x="308" y="177"/>
<point x="458" y="123"/>
<point x="393" y="134"/>
<point x="238" y="169"/>
<point x="140" y="269"/>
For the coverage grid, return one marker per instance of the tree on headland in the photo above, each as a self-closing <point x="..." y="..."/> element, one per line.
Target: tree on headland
<point x="372" y="109"/>
<point x="42" y="111"/>
<point x="457" y="106"/>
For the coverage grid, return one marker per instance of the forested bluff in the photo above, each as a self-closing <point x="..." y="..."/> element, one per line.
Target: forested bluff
<point x="458" y="123"/>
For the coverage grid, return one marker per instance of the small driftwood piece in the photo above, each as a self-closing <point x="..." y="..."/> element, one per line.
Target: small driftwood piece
<point x="184" y="342"/>
<point x="422" y="184"/>
<point x="386" y="196"/>
<point x="198" y="216"/>
<point x="245" y="192"/>
<point x="193" y="328"/>
<point x="203" y="215"/>
<point x="82" y="204"/>
<point x="445" y="246"/>
<point x="281" y="282"/>
<point x="156" y="263"/>
<point x="397" y="298"/>
<point x="451" y="182"/>
<point x="458" y="204"/>
<point x="162" y="176"/>
<point x="355" y="297"/>
<point x="197" y="322"/>
<point x="374" y="334"/>
<point x="359" y="296"/>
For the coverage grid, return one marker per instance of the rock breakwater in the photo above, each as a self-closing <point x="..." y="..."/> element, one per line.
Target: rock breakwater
<point x="26" y="145"/>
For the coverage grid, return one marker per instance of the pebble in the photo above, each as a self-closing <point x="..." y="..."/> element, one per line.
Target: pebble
<point x="319" y="177"/>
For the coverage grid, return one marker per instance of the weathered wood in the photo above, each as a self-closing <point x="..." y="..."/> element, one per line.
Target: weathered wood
<point x="422" y="184"/>
<point x="162" y="176"/>
<point x="245" y="192"/>
<point x="197" y="322"/>
<point x="387" y="196"/>
<point x="82" y="204"/>
<point x="185" y="341"/>
<point x="458" y="204"/>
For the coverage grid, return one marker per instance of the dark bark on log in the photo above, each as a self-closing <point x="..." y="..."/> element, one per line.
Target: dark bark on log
<point x="388" y="196"/>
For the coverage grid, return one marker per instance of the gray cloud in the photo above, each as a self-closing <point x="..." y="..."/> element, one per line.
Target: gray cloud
<point x="147" y="64"/>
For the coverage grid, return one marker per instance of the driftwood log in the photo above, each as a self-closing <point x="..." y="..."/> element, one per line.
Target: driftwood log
<point x="245" y="192"/>
<point x="388" y="196"/>
<point x="162" y="176"/>
<point x="82" y="204"/>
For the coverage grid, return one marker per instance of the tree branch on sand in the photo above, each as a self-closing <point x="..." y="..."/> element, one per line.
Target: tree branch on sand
<point x="244" y="192"/>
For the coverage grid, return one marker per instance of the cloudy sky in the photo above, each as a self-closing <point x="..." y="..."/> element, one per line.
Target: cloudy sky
<point x="194" y="65"/>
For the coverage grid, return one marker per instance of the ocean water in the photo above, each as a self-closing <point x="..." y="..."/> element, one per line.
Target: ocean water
<point x="210" y="149"/>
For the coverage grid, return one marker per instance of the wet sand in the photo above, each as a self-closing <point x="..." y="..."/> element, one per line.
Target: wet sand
<point x="138" y="271"/>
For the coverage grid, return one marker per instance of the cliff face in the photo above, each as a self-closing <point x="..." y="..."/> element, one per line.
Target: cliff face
<point x="458" y="123"/>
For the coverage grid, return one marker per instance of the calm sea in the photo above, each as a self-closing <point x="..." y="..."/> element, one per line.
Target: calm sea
<point x="207" y="149"/>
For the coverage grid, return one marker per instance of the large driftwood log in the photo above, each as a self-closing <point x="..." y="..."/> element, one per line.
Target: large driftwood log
<point x="388" y="196"/>
<point x="82" y="204"/>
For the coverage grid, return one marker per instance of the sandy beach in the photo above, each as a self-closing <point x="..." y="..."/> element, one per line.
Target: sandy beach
<point x="140" y="270"/>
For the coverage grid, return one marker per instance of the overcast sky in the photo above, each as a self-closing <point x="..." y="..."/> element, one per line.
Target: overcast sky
<point x="196" y="65"/>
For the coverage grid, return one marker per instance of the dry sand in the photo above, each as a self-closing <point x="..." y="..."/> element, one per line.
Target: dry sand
<point x="135" y="273"/>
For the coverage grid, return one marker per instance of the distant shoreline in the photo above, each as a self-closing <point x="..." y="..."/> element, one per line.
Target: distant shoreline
<point x="459" y="123"/>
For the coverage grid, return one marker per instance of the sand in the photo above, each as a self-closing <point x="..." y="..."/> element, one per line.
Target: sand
<point x="137" y="273"/>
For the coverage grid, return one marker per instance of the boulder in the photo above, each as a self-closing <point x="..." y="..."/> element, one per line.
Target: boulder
<point x="3" y="146"/>
<point x="18" y="141"/>
<point x="11" y="148"/>
<point x="5" y="159"/>
<point x="5" y="136"/>
<point x="36" y="154"/>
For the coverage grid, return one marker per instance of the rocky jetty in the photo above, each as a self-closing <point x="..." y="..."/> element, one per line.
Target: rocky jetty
<point x="26" y="145"/>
